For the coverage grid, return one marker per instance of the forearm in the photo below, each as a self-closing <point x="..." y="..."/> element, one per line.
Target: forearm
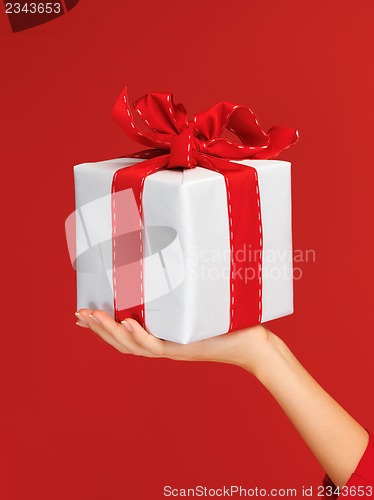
<point x="333" y="436"/>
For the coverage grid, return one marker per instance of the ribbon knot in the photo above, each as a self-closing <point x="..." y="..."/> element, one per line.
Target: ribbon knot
<point x="169" y="131"/>
<point x="182" y="149"/>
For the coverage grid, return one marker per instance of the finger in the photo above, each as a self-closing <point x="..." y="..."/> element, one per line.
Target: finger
<point x="146" y="340"/>
<point x="84" y="316"/>
<point x="81" y="321"/>
<point x="158" y="347"/>
<point x="119" y="332"/>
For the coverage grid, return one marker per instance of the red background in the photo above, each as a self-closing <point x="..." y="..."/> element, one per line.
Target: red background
<point x="78" y="419"/>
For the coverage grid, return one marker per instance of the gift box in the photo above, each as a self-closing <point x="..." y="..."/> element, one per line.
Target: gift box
<point x="193" y="237"/>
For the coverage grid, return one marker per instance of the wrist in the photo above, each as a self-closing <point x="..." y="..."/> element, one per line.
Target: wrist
<point x="262" y="350"/>
<point x="276" y="356"/>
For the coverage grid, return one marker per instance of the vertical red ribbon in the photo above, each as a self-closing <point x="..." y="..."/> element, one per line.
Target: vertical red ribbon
<point x="128" y="277"/>
<point x="245" y="226"/>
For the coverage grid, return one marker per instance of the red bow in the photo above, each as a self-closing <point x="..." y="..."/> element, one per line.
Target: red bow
<point x="170" y="129"/>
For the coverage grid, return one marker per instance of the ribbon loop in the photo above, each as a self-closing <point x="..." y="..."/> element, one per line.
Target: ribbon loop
<point x="160" y="114"/>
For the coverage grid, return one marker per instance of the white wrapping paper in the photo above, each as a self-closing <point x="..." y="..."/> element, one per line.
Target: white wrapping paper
<point x="187" y="246"/>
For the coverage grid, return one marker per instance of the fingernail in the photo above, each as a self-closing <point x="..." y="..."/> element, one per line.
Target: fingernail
<point x="95" y="319"/>
<point x="80" y="317"/>
<point x="80" y="324"/>
<point x="127" y="325"/>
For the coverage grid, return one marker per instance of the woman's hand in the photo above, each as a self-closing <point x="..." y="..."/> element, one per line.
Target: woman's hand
<point x="335" y="438"/>
<point x="246" y="348"/>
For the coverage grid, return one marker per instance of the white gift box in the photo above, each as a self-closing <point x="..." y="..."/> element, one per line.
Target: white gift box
<point x="187" y="247"/>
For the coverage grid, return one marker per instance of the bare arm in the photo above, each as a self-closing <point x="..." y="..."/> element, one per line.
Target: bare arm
<point x="334" y="437"/>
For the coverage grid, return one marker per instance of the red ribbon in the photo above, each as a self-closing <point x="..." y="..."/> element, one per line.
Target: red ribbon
<point x="178" y="142"/>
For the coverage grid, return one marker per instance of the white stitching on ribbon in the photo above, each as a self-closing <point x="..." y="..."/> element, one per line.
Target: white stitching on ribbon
<point x="260" y="231"/>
